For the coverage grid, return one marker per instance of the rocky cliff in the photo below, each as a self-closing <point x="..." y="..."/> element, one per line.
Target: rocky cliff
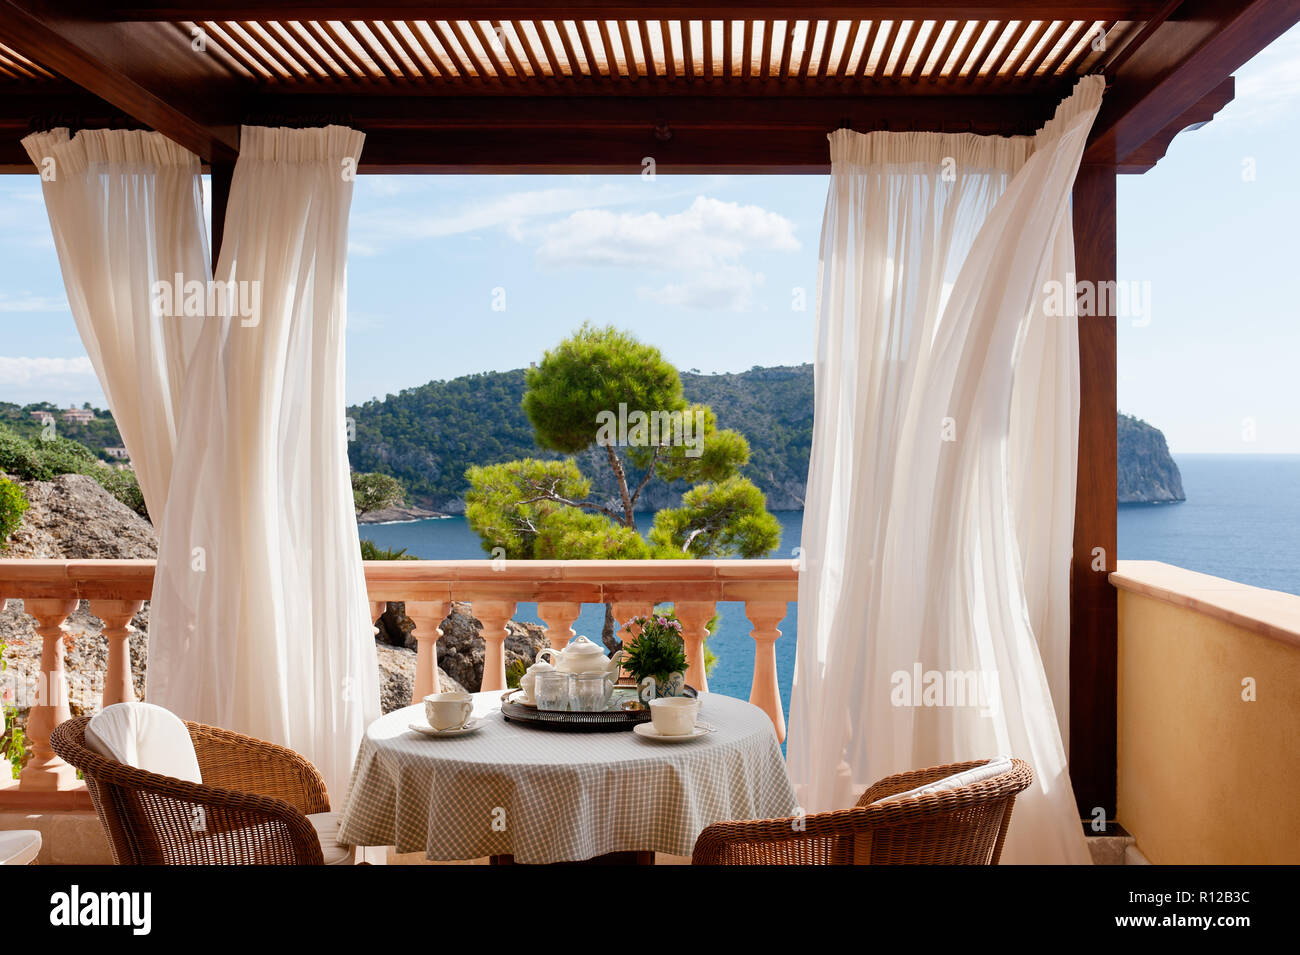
<point x="1147" y="472"/>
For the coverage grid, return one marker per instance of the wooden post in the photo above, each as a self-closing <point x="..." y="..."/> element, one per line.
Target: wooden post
<point x="222" y="175"/>
<point x="1094" y="622"/>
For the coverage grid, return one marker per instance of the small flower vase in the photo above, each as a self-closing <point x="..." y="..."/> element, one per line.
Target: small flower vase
<point x="650" y="688"/>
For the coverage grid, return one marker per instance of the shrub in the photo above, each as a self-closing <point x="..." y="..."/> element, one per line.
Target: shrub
<point x="372" y="551"/>
<point x="20" y="458"/>
<point x="13" y="502"/>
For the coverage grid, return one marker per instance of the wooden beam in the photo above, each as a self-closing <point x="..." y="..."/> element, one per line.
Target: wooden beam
<point x="623" y="10"/>
<point x="1094" y="634"/>
<point x="1180" y="64"/>
<point x="222" y="173"/>
<point x="600" y="134"/>
<point x="1002" y="114"/>
<point x="1146" y="156"/>
<point x="112" y="61"/>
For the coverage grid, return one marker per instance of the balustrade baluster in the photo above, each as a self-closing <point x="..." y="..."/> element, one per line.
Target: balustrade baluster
<point x="426" y="615"/>
<point x="624" y="611"/>
<point x="117" y="614"/>
<point x="559" y="618"/>
<point x="494" y="614"/>
<point x="44" y="770"/>
<point x="694" y="616"/>
<point x="765" y="615"/>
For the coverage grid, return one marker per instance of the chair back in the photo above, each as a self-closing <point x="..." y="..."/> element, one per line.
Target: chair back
<point x="964" y="825"/>
<point x="151" y="819"/>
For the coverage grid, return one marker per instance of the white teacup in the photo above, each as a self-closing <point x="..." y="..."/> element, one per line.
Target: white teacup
<point x="448" y="711"/>
<point x="674" y="715"/>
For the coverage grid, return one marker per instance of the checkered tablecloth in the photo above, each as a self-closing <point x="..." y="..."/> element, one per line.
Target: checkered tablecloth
<point x="549" y="797"/>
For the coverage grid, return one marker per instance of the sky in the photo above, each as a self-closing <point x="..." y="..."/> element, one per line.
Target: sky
<point x="449" y="275"/>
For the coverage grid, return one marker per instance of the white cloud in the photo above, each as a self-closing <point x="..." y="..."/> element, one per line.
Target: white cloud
<point x="704" y="246"/>
<point x="62" y="380"/>
<point x="32" y="303"/>
<point x="374" y="229"/>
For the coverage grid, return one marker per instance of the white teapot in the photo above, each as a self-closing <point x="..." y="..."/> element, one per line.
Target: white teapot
<point x="583" y="656"/>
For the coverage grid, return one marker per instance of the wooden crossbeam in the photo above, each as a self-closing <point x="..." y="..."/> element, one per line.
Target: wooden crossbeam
<point x="154" y="83"/>
<point x="1181" y="64"/>
<point x="622" y="10"/>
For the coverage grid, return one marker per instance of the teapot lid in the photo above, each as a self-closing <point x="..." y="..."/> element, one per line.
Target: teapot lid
<point x="582" y="646"/>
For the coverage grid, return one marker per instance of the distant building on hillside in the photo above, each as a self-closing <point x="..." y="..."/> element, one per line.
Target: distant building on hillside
<point x="44" y="417"/>
<point x="79" y="415"/>
<point x="119" y="453"/>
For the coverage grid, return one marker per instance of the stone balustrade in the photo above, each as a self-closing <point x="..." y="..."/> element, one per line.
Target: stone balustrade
<point x="116" y="589"/>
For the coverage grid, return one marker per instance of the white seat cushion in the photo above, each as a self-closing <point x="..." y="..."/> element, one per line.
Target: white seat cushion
<point x="994" y="767"/>
<point x="19" y="846"/>
<point x="326" y="825"/>
<point x="145" y="736"/>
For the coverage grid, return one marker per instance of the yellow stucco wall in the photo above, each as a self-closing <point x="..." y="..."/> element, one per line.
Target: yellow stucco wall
<point x="1205" y="777"/>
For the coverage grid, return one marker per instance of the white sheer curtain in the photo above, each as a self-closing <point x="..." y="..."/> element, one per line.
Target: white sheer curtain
<point x="260" y="621"/>
<point x="126" y="210"/>
<point x="935" y="251"/>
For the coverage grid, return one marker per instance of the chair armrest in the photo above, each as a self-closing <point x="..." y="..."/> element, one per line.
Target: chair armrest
<point x="253" y="766"/>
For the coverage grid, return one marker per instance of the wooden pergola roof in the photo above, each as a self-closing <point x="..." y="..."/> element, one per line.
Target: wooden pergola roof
<point x="596" y="86"/>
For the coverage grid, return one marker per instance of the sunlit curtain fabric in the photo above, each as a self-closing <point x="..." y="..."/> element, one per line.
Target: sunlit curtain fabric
<point x="941" y="486"/>
<point x="260" y="620"/>
<point x="126" y="211"/>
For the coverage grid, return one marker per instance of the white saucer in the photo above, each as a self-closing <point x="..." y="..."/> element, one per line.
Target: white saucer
<point x="468" y="728"/>
<point x="519" y="698"/>
<point x="648" y="731"/>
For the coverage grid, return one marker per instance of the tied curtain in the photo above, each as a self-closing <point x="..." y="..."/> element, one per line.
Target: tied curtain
<point x="933" y="607"/>
<point x="233" y="413"/>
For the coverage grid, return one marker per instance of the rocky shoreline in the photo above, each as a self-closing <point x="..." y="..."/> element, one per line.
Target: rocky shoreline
<point x="397" y="515"/>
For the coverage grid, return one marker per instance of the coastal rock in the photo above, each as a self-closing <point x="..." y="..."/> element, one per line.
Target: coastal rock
<point x="397" y="676"/>
<point x="390" y="515"/>
<point x="461" y="647"/>
<point x="1147" y="473"/>
<point x="73" y="518"/>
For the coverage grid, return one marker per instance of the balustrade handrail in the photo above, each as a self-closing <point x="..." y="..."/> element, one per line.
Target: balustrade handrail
<point x="116" y="589"/>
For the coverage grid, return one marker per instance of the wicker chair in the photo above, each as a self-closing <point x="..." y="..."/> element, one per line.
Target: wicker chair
<point x="962" y="826"/>
<point x="251" y="808"/>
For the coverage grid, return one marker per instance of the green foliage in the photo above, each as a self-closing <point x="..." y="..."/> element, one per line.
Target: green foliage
<point x="658" y="650"/>
<point x="372" y="551"/>
<point x="514" y="673"/>
<point x="594" y="371"/>
<point x="718" y="519"/>
<point x="506" y="508"/>
<point x="44" y="459"/>
<point x="373" y="491"/>
<point x="13" y="504"/>
<point x="13" y="745"/>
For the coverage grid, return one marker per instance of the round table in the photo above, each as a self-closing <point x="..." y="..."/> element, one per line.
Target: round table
<point x="544" y="796"/>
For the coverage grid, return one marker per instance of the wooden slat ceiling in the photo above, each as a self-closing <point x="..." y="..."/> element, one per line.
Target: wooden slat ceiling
<point x="520" y="56"/>
<point x="15" y="66"/>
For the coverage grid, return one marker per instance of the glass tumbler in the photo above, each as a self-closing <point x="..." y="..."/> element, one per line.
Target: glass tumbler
<point x="552" y="690"/>
<point x="590" y="692"/>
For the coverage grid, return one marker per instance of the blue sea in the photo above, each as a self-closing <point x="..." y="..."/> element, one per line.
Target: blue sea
<point x="1241" y="520"/>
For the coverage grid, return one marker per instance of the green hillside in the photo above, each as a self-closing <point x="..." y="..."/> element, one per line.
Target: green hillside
<point x="428" y="436"/>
